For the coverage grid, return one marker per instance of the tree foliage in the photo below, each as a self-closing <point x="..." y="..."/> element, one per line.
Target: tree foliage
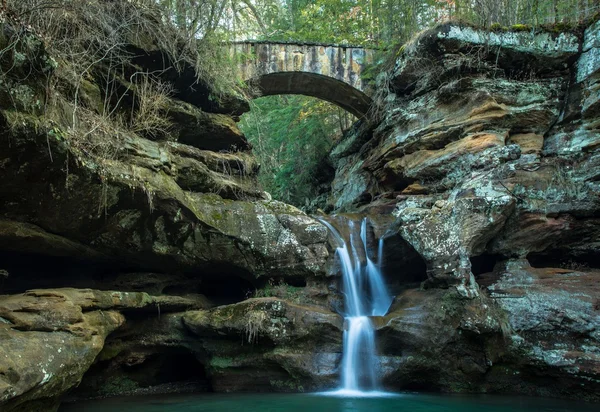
<point x="292" y="136"/>
<point x="384" y="22"/>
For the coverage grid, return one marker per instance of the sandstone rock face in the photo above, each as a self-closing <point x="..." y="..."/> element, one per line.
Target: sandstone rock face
<point x="51" y="337"/>
<point x="486" y="147"/>
<point x="528" y="325"/>
<point x="136" y="211"/>
<point x="434" y="339"/>
<point x="166" y="204"/>
<point x="447" y="234"/>
<point x="287" y="347"/>
<point x="447" y="111"/>
<point x="554" y="327"/>
<point x="478" y="159"/>
<point x="261" y="344"/>
<point x="172" y="218"/>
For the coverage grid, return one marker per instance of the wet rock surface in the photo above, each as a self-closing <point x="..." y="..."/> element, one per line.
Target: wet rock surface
<point x="434" y="339"/>
<point x="486" y="154"/>
<point x="528" y="326"/>
<point x="49" y="340"/>
<point x="287" y="347"/>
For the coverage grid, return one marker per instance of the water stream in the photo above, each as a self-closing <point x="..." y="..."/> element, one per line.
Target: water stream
<point x="365" y="295"/>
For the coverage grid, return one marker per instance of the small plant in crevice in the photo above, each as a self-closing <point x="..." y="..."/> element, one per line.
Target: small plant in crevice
<point x="235" y="170"/>
<point x="149" y="112"/>
<point x="281" y="289"/>
<point x="255" y="324"/>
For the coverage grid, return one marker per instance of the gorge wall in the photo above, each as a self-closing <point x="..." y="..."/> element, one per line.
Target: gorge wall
<point x="136" y="262"/>
<point x="487" y="154"/>
<point x="117" y="245"/>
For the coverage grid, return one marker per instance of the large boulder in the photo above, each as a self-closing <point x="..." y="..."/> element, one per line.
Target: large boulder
<point x="448" y="233"/>
<point x="435" y="339"/>
<point x="554" y="329"/>
<point x="532" y="331"/>
<point x="50" y="338"/>
<point x="269" y="344"/>
<point x="261" y="344"/>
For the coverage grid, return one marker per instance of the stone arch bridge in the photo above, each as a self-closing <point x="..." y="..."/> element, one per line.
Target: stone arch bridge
<point x="328" y="72"/>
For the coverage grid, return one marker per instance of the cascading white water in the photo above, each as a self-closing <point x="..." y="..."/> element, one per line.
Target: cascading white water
<point x="365" y="295"/>
<point x="380" y="253"/>
<point x="380" y="299"/>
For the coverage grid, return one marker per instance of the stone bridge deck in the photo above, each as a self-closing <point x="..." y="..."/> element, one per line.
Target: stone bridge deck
<point x="328" y="72"/>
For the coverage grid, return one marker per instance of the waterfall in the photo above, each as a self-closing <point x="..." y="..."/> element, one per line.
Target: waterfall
<point x="365" y="295"/>
<point x="380" y="253"/>
<point x="380" y="299"/>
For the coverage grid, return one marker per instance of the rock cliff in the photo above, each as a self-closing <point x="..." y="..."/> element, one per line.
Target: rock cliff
<point x="486" y="151"/>
<point x="151" y="222"/>
<point x="146" y="259"/>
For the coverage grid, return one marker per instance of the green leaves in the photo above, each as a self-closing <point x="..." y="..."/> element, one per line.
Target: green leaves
<point x="291" y="136"/>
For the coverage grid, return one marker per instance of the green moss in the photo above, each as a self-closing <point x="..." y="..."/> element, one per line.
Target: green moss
<point x="109" y="352"/>
<point x="25" y="124"/>
<point x="282" y="290"/>
<point x="146" y="299"/>
<point x="92" y="92"/>
<point x="280" y="207"/>
<point x="118" y="385"/>
<point x="216" y="215"/>
<point x="221" y="362"/>
<point x="451" y="304"/>
<point x="213" y="199"/>
<point x="520" y="27"/>
<point x="233" y="312"/>
<point x="564" y="26"/>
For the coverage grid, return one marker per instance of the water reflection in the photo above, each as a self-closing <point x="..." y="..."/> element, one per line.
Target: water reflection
<point x="330" y="403"/>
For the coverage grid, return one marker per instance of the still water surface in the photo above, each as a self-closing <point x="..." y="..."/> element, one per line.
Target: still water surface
<point x="320" y="403"/>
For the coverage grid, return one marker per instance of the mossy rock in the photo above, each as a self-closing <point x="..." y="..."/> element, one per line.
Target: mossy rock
<point x="118" y="385"/>
<point x="520" y="27"/>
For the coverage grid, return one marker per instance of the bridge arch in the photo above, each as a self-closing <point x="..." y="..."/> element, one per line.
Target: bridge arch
<point x="328" y="72"/>
<point x="314" y="85"/>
